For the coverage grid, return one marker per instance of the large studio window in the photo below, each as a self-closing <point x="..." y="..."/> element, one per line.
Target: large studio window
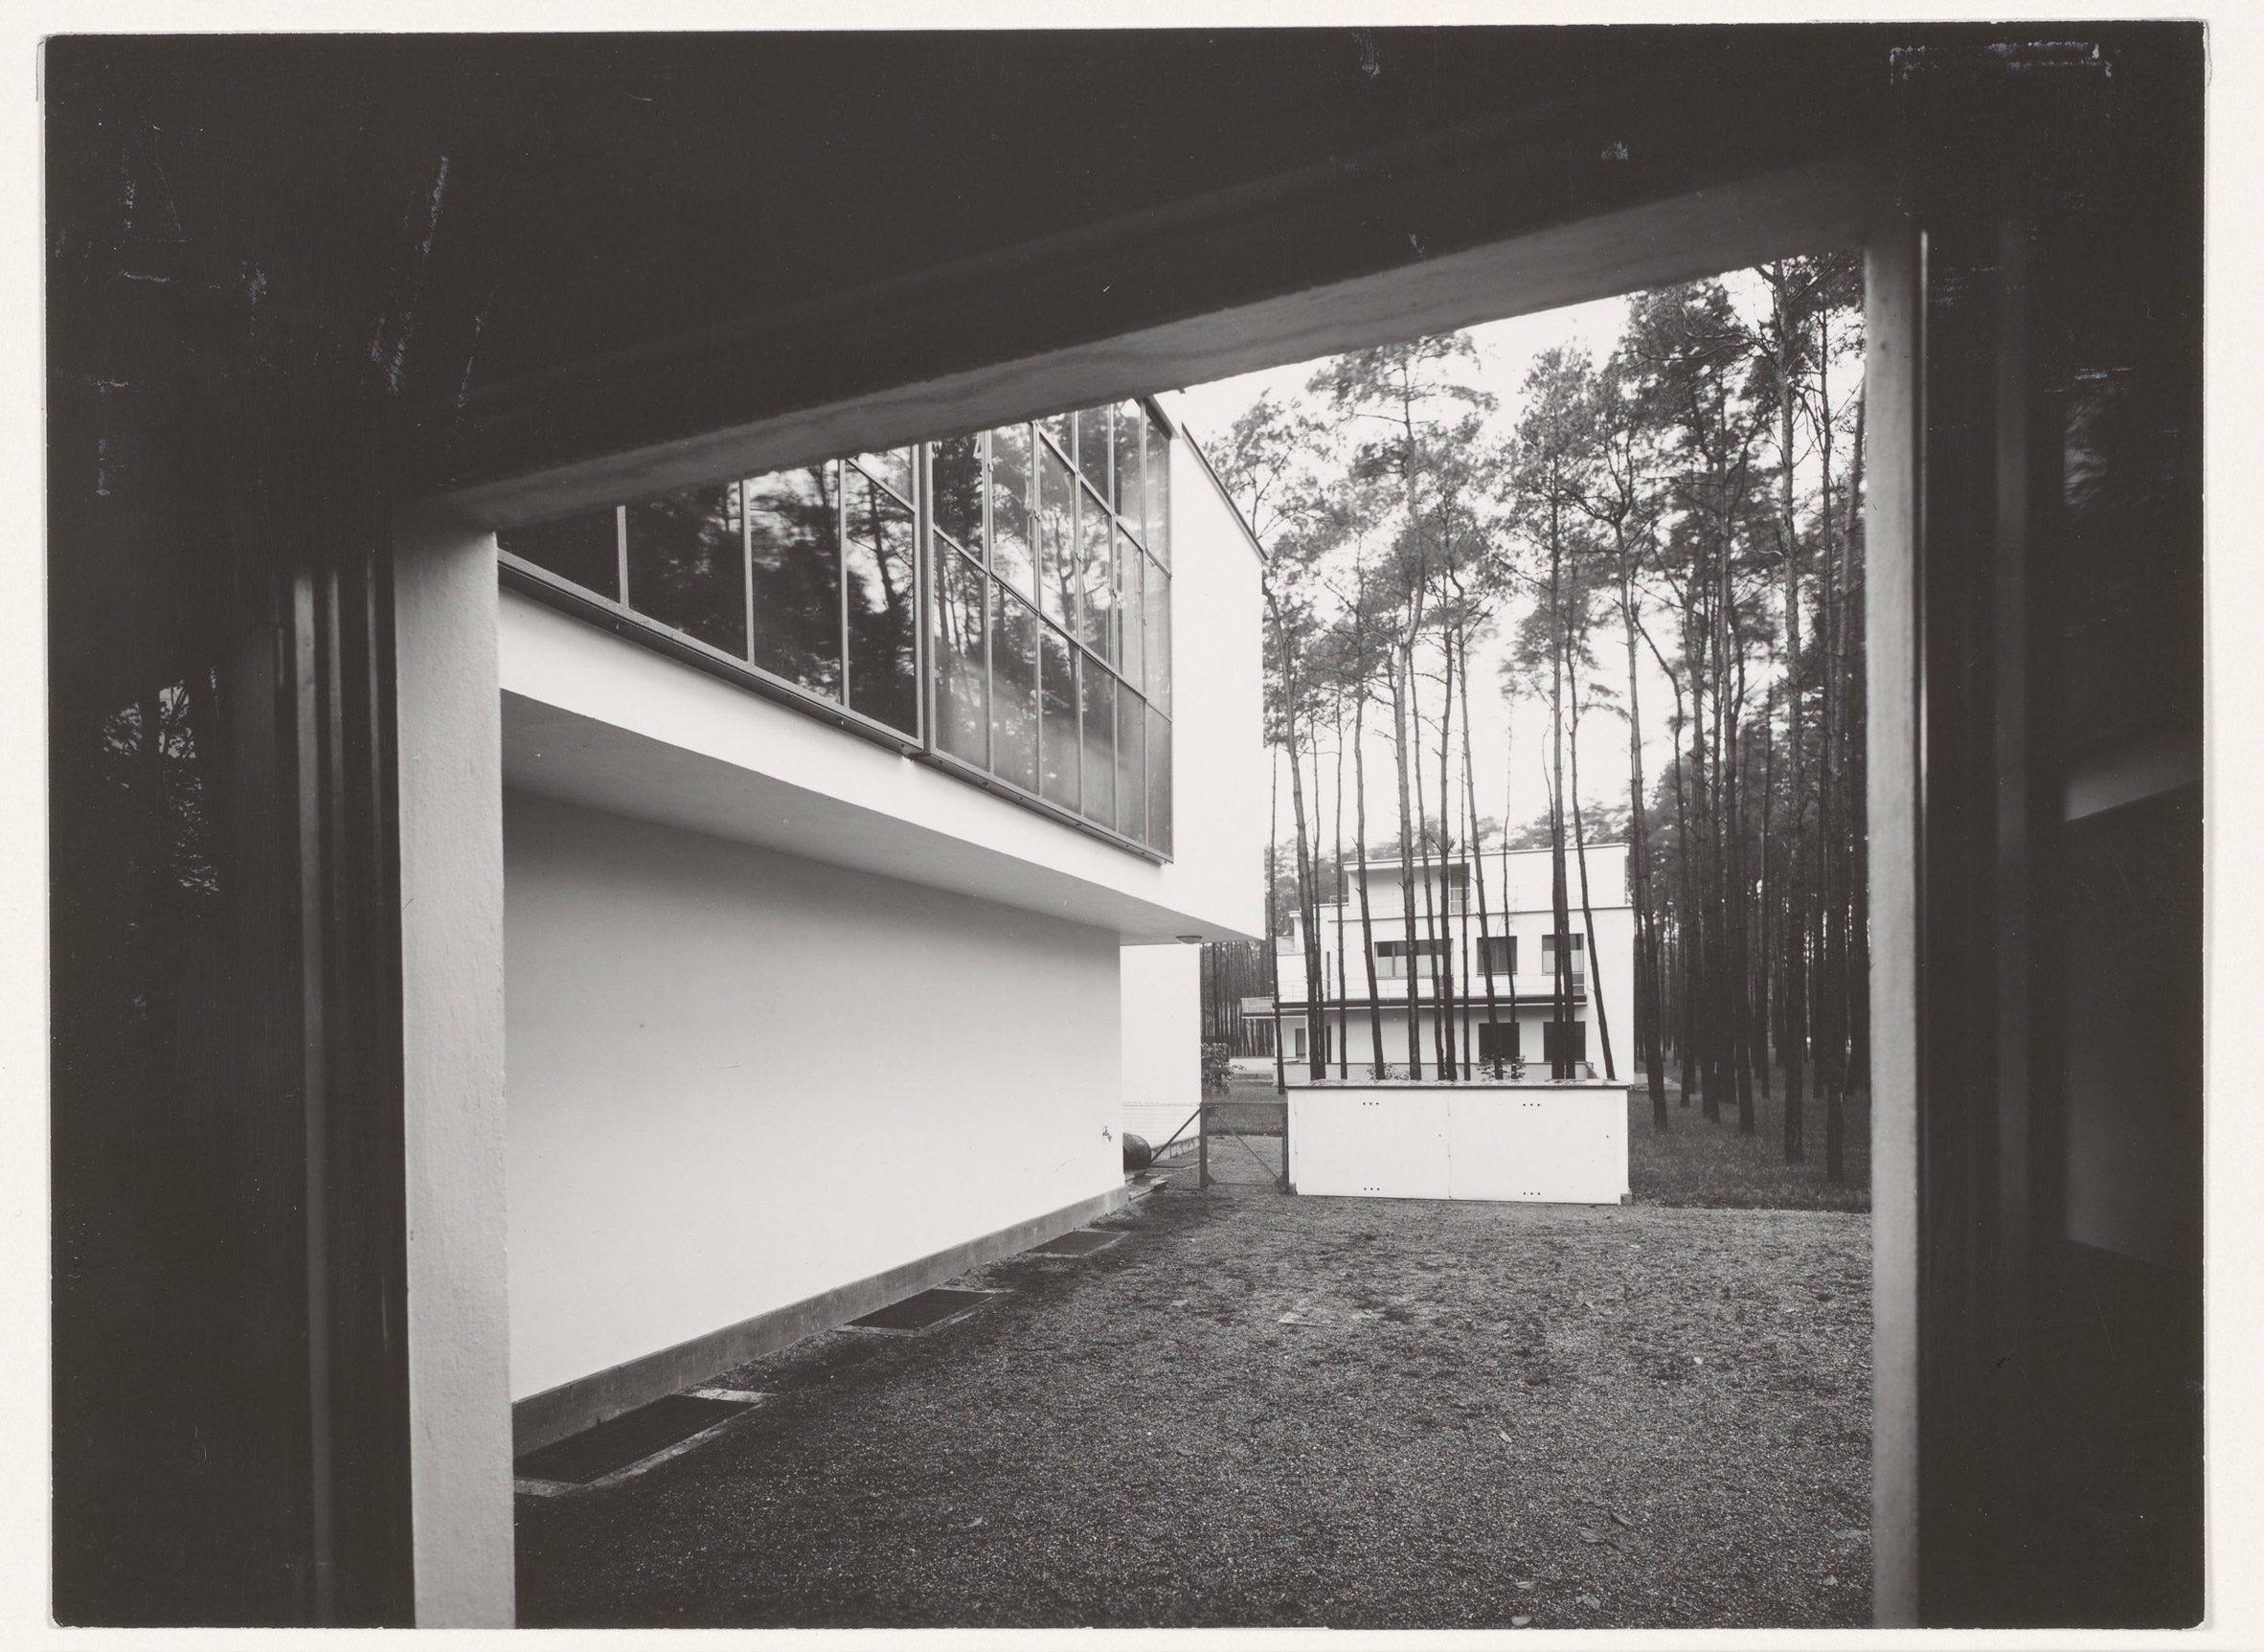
<point x="1035" y="650"/>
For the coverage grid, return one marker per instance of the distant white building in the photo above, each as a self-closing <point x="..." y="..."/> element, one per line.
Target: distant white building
<point x="1483" y="952"/>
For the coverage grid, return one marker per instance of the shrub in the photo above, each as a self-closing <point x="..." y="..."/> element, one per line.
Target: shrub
<point x="1218" y="1068"/>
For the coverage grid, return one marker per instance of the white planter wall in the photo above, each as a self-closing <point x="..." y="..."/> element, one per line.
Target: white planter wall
<point x="1545" y="1144"/>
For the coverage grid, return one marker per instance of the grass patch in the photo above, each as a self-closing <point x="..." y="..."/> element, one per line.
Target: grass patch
<point x="1695" y="1162"/>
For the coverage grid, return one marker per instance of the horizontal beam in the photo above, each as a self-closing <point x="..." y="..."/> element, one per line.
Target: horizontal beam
<point x="1812" y="206"/>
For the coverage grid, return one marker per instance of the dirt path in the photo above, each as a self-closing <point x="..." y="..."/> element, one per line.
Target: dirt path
<point x="1259" y="1410"/>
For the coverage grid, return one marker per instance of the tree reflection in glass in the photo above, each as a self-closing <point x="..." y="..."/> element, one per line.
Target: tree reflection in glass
<point x="1012" y="557"/>
<point x="687" y="564"/>
<point x="584" y="548"/>
<point x="962" y="692"/>
<point x="1056" y="537"/>
<point x="878" y="570"/>
<point x="1156" y="494"/>
<point x="1131" y="608"/>
<point x="1131" y="769"/>
<point x="1130" y="422"/>
<point x="955" y="483"/>
<point x="794" y="523"/>
<point x="1096" y="579"/>
<point x="1156" y="640"/>
<point x="1158" y="780"/>
<point x="1057" y="730"/>
<point x="1014" y="689"/>
<point x="891" y="467"/>
<point x="1092" y="444"/>
<point x="1099" y="734"/>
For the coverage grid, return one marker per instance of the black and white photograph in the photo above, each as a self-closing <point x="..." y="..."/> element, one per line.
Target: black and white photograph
<point x="1181" y="823"/>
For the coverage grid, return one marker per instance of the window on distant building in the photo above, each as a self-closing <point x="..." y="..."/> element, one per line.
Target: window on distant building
<point x="1498" y="1041"/>
<point x="1572" y="1036"/>
<point x="1498" y="954"/>
<point x="1391" y="956"/>
<point x="1036" y="651"/>
<point x="1577" y="945"/>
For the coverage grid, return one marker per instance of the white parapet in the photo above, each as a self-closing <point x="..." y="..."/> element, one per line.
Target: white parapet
<point x="1543" y="1142"/>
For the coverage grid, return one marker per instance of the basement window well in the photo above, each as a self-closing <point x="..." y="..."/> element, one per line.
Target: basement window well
<point x="997" y="602"/>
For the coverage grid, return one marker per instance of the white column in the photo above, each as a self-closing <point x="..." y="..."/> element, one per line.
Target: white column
<point x="1893" y="302"/>
<point x="452" y="847"/>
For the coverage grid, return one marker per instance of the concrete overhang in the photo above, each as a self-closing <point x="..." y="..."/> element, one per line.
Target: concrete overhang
<point x="593" y="720"/>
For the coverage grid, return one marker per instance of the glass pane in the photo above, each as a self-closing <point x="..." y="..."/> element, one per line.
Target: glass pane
<point x="877" y="566"/>
<point x="1131" y="607"/>
<point x="1093" y="447"/>
<point x="1057" y="733"/>
<point x="1158" y="641"/>
<point x="962" y="693"/>
<point x="1157" y="494"/>
<point x="1097" y="579"/>
<point x="955" y="475"/>
<point x="1014" y="691"/>
<point x="1100" y="744"/>
<point x="1130" y="422"/>
<point x="1010" y="508"/>
<point x="793" y="523"/>
<point x="1131" y="772"/>
<point x="1056" y="536"/>
<point x="893" y="467"/>
<point x="583" y="548"/>
<point x="1056" y="426"/>
<point x="687" y="564"/>
<point x="1158" y="780"/>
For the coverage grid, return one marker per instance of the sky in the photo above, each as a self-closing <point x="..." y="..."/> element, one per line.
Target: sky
<point x="1509" y="746"/>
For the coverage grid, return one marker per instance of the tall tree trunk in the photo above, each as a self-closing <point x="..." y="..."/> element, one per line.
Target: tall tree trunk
<point x="1768" y="895"/>
<point x="1646" y="923"/>
<point x="1595" y="986"/>
<point x="1508" y="899"/>
<point x="1344" y="982"/>
<point x="1376" y="1006"/>
<point x="1560" y="909"/>
<point x="1433" y="951"/>
<point x="1741" y="980"/>
<point x="1796" y="1043"/>
<point x="1456" y="1061"/>
<point x="1686" y="935"/>
<point x="1700" y="962"/>
<point x="1273" y="928"/>
<point x="1477" y="844"/>
<point x="1316" y="1022"/>
<point x="1401" y="666"/>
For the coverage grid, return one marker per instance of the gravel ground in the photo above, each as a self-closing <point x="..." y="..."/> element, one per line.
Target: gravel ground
<point x="1261" y="1410"/>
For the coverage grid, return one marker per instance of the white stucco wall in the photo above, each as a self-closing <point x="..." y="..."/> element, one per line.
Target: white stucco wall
<point x="739" y="1077"/>
<point x="1162" y="1040"/>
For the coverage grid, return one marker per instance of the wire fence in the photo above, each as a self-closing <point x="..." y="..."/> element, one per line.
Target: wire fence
<point x="1244" y="1143"/>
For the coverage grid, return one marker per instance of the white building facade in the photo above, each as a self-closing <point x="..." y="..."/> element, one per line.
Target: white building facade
<point x="1481" y="954"/>
<point x="853" y="820"/>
